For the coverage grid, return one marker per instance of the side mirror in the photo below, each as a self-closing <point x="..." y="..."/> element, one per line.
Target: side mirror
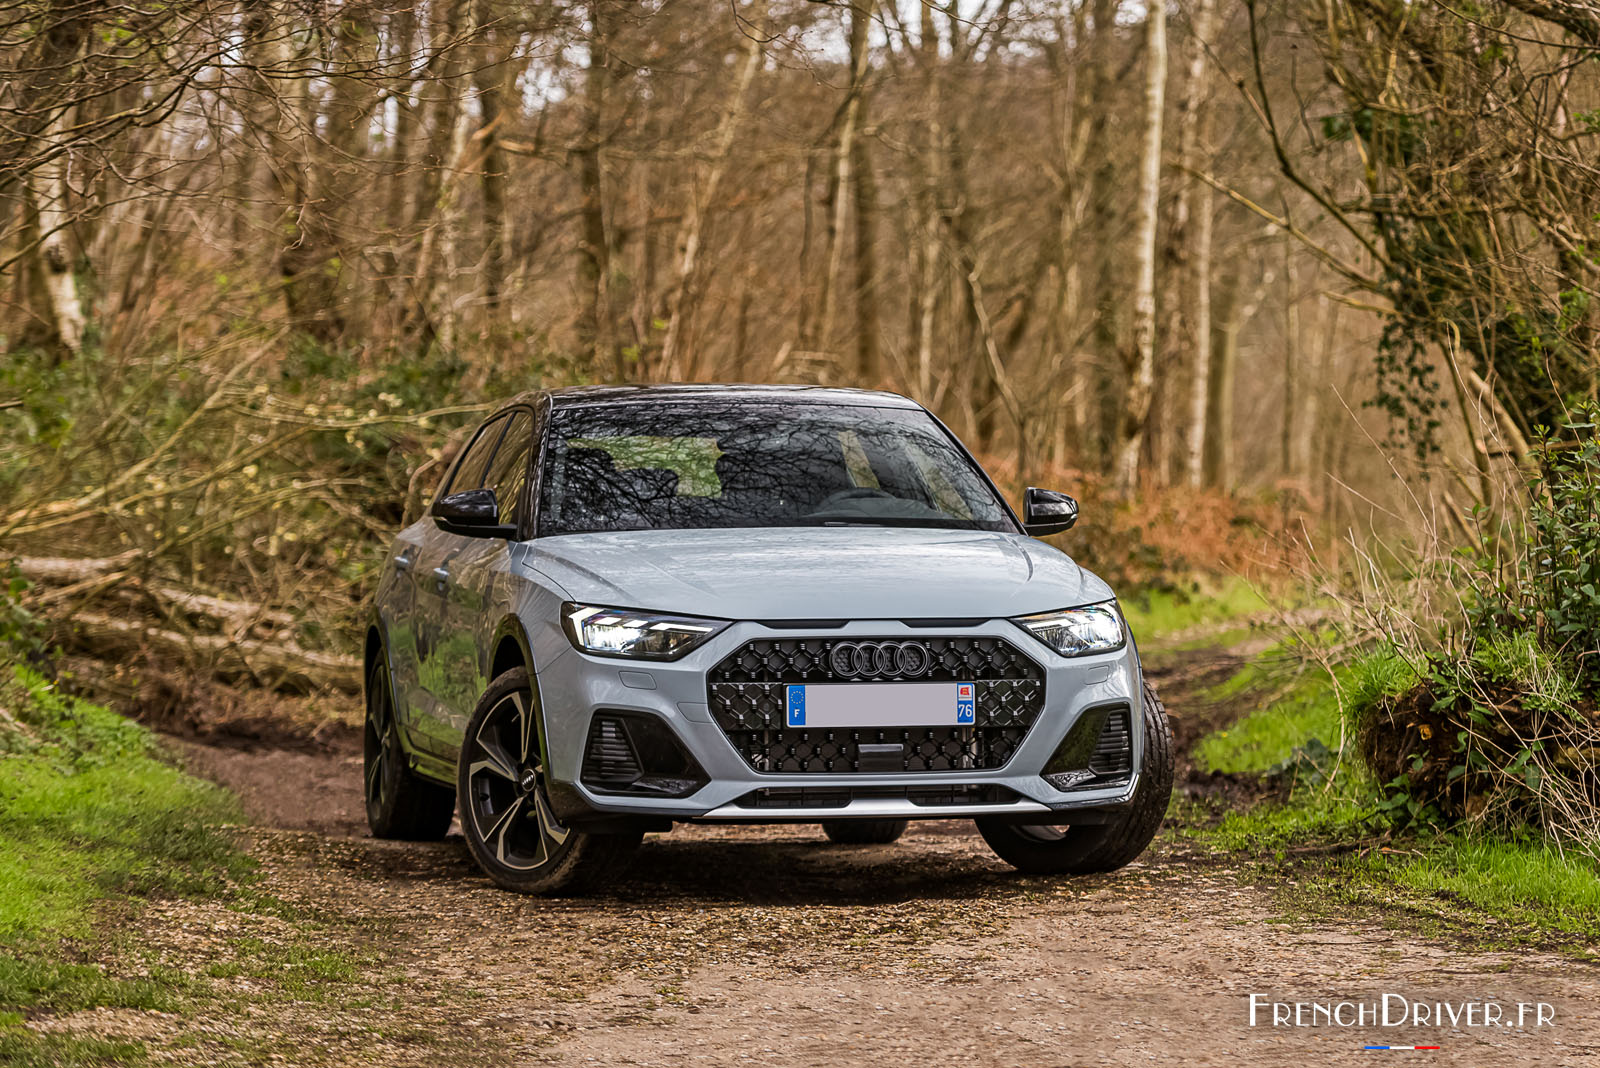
<point x="1047" y="512"/>
<point x="474" y="513"/>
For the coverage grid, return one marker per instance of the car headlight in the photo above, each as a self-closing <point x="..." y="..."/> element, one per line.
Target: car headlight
<point x="624" y="632"/>
<point x="1094" y="628"/>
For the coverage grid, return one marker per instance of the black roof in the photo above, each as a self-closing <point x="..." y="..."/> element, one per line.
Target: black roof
<point x="577" y="396"/>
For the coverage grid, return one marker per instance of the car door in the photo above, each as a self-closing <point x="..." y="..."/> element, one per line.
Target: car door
<point x="437" y="644"/>
<point x="397" y="606"/>
<point x="473" y="568"/>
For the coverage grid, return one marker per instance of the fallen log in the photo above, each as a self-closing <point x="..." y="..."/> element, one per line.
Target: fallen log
<point x="236" y="618"/>
<point x="277" y="664"/>
<point x="59" y="569"/>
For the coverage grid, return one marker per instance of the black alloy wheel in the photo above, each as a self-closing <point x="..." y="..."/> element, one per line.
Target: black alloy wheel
<point x="399" y="803"/>
<point x="506" y="816"/>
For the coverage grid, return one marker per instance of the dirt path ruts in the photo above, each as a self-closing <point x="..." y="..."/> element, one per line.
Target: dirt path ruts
<point x="770" y="946"/>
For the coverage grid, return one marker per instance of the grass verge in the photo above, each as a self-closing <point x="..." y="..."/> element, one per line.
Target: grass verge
<point x="91" y="819"/>
<point x="1509" y="889"/>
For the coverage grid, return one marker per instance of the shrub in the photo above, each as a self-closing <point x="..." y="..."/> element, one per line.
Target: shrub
<point x="1501" y="724"/>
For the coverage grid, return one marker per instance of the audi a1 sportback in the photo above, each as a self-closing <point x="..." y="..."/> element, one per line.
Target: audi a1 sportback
<point x="631" y="607"/>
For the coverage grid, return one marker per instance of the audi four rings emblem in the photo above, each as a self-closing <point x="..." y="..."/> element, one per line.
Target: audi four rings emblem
<point x="860" y="660"/>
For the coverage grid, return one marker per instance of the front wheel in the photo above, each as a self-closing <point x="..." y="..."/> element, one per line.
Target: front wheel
<point x="1090" y="848"/>
<point x="863" y="832"/>
<point x="505" y="803"/>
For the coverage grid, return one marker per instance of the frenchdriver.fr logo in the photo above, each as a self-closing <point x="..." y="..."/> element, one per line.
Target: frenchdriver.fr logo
<point x="1396" y="1010"/>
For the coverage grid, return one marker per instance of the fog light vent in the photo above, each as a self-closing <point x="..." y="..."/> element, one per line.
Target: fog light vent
<point x="1097" y="751"/>
<point x="610" y="759"/>
<point x="636" y="753"/>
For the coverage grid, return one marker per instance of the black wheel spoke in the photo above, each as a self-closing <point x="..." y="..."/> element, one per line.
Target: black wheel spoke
<point x="375" y="775"/>
<point x="550" y="830"/>
<point x="492" y="755"/>
<point x="511" y="812"/>
<point x="378" y="740"/>
<point x="493" y="762"/>
<point x="524" y="727"/>
<point x="501" y="827"/>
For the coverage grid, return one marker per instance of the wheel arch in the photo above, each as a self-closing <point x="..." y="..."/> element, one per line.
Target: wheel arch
<point x="511" y="648"/>
<point x="376" y="646"/>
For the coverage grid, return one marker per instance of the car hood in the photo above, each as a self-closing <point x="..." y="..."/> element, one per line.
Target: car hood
<point x="817" y="572"/>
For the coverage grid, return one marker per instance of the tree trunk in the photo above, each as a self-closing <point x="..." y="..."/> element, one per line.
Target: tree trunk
<point x="304" y="256"/>
<point x="594" y="258"/>
<point x="1194" y="133"/>
<point x="436" y="256"/>
<point x="1234" y="310"/>
<point x="684" y="295"/>
<point x="841" y="186"/>
<point x="46" y="187"/>
<point x="1140" y="356"/>
<point x="344" y="148"/>
<point x="403" y="35"/>
<point x="866" y="209"/>
<point x="445" y="120"/>
<point x="930" y="216"/>
<point x="1092" y="422"/>
<point x="868" y="357"/>
<point x="33" y="148"/>
<point x="1219" y="399"/>
<point x="492" y="78"/>
<point x="1291" y="365"/>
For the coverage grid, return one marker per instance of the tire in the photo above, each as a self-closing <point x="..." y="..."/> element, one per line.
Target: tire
<point x="505" y="808"/>
<point x="1091" y="848"/>
<point x="863" y="832"/>
<point x="400" y="804"/>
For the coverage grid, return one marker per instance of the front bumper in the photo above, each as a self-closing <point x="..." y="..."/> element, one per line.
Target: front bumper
<point x="573" y="686"/>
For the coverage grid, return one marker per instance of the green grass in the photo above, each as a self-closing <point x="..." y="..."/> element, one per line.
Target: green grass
<point x="1518" y="889"/>
<point x="1306" y="712"/>
<point x="91" y="818"/>
<point x="1314" y="818"/>
<point x="1296" y="713"/>
<point x="300" y="971"/>
<point x="1155" y="614"/>
<point x="1521" y="881"/>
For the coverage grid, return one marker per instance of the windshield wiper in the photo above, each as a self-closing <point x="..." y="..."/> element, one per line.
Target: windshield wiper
<point x="888" y="521"/>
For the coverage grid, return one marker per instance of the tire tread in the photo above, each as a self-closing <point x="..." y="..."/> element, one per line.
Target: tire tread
<point x="1092" y="849"/>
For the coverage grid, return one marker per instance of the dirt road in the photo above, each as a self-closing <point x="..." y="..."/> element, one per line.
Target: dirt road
<point x="771" y="946"/>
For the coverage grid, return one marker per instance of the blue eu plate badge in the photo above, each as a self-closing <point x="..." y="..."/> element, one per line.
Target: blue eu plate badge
<point x="966" y="709"/>
<point x="797" y="706"/>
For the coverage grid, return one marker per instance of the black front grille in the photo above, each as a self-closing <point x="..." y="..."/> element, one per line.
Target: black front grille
<point x="838" y="797"/>
<point x="748" y="700"/>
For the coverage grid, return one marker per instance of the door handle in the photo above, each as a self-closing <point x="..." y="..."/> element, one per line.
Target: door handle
<point x="402" y="563"/>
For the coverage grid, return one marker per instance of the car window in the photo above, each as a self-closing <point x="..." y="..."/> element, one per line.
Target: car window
<point x="643" y="466"/>
<point x="470" y="471"/>
<point x="508" y="471"/>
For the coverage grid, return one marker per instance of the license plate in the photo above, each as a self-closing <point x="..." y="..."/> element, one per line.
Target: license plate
<point x="882" y="704"/>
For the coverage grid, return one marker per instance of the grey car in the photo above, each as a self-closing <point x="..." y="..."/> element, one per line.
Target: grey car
<point x="631" y="607"/>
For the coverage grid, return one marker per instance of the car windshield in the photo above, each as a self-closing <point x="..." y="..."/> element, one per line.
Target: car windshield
<point x="678" y="466"/>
